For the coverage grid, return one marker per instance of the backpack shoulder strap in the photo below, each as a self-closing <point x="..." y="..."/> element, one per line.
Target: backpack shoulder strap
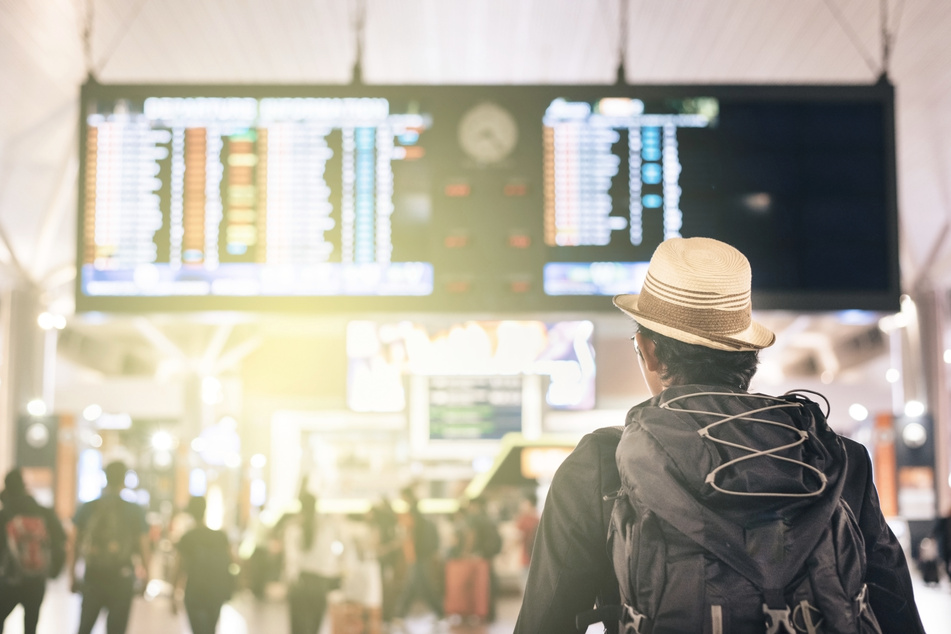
<point x="607" y="439"/>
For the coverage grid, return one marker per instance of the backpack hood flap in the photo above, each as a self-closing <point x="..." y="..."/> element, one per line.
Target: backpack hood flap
<point x="720" y="488"/>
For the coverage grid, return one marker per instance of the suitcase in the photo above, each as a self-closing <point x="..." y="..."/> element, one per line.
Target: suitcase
<point x="347" y="617"/>
<point x="929" y="572"/>
<point x="467" y="587"/>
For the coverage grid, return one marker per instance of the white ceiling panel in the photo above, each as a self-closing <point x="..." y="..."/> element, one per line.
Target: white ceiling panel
<point x="497" y="41"/>
<point x="221" y="41"/>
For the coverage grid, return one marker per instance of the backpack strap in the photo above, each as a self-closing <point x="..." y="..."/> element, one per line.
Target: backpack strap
<point x="716" y="619"/>
<point x="804" y="612"/>
<point x="629" y="620"/>
<point x="860" y="602"/>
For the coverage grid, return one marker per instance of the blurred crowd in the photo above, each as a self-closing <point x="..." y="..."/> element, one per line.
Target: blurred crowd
<point x="364" y="572"/>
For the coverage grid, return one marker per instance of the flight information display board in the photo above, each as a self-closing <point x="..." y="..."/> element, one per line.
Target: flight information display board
<point x="477" y="198"/>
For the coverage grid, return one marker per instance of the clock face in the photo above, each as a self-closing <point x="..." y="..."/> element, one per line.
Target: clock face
<point x="488" y="133"/>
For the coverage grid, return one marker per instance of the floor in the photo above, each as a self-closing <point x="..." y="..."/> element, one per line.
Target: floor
<point x="245" y="615"/>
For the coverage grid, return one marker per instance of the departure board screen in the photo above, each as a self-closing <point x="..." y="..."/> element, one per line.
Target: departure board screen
<point x="477" y="198"/>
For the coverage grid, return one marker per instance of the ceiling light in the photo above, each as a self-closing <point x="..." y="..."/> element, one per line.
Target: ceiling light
<point x="163" y="441"/>
<point x="92" y="412"/>
<point x="914" y="435"/>
<point x="914" y="409"/>
<point x="36" y="407"/>
<point x="858" y="412"/>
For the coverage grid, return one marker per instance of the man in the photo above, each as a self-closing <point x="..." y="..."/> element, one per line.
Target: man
<point x="204" y="562"/>
<point x="485" y="542"/>
<point x="420" y="546"/>
<point x="527" y="525"/>
<point x="32" y="548"/>
<point x="111" y="536"/>
<point x="694" y="457"/>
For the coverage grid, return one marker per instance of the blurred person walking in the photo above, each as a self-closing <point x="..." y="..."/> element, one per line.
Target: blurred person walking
<point x="389" y="551"/>
<point x="204" y="565"/>
<point x="32" y="549"/>
<point x="259" y="568"/>
<point x="527" y="525"/>
<point x="484" y="542"/>
<point x="942" y="536"/>
<point x="420" y="547"/>
<point x="111" y="537"/>
<point x="313" y="557"/>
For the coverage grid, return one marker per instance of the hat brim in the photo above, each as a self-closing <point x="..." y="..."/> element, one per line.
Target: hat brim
<point x="754" y="337"/>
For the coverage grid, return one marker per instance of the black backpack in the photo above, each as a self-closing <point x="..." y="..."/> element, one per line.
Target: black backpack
<point x="109" y="539"/>
<point x="683" y="566"/>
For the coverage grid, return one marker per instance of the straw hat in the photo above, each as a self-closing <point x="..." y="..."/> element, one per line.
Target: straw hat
<point x="697" y="290"/>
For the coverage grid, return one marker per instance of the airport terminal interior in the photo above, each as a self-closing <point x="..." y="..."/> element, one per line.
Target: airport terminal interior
<point x="367" y="249"/>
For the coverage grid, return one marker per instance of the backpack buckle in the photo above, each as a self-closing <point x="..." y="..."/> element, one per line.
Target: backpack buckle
<point x="634" y="622"/>
<point x="776" y="617"/>
<point x="861" y="600"/>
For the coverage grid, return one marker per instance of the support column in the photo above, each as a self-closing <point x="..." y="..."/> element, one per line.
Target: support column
<point x="21" y="365"/>
<point x="932" y="315"/>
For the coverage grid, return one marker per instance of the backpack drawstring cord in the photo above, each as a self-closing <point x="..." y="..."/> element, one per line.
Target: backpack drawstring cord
<point x="748" y="416"/>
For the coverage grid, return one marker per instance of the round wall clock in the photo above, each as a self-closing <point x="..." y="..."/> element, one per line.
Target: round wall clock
<point x="488" y="133"/>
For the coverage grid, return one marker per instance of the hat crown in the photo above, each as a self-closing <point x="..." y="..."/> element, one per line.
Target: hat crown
<point x="700" y="273"/>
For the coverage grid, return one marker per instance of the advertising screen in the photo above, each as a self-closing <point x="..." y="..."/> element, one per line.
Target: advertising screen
<point x="473" y="367"/>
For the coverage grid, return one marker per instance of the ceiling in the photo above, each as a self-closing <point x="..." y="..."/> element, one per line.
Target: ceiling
<point x="48" y="48"/>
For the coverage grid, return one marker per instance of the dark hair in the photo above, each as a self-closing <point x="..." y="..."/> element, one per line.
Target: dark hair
<point x="409" y="496"/>
<point x="196" y="507"/>
<point x="13" y="483"/>
<point x="686" y="363"/>
<point x="115" y="473"/>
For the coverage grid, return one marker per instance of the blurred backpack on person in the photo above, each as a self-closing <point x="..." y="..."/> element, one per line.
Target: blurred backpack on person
<point x="109" y="540"/>
<point x="488" y="539"/>
<point x="493" y="540"/>
<point x="208" y="564"/>
<point x="29" y="549"/>
<point x="32" y="541"/>
<point x="486" y="536"/>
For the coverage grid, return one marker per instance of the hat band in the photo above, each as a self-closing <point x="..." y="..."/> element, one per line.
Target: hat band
<point x="678" y="295"/>
<point x="698" y="320"/>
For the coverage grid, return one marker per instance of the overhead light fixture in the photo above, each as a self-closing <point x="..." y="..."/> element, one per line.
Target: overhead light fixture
<point x="163" y="441"/>
<point x="914" y="435"/>
<point x="211" y="390"/>
<point x="36" y="407"/>
<point x="858" y="412"/>
<point x="914" y="409"/>
<point x="49" y="321"/>
<point x="92" y="412"/>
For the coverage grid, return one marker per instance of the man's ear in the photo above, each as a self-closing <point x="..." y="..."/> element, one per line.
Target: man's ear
<point x="648" y="353"/>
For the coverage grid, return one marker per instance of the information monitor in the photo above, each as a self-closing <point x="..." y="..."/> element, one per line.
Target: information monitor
<point x="494" y="199"/>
